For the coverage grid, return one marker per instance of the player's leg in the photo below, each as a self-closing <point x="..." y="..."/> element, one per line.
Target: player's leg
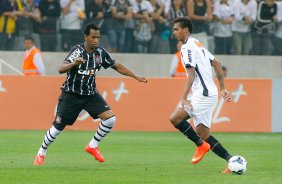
<point x="216" y="146"/>
<point x="178" y="119"/>
<point x="108" y="119"/>
<point x="97" y="107"/>
<point x="67" y="111"/>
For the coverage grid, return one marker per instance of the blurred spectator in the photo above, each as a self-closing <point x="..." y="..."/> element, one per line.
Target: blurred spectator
<point x="166" y="4"/>
<point x="177" y="10"/>
<point x="142" y="12"/>
<point x="200" y="12"/>
<point x="245" y="12"/>
<point x="99" y="12"/>
<point x="50" y="11"/>
<point x="177" y="68"/>
<point x="27" y="24"/>
<point x="94" y="12"/>
<point x="121" y="11"/>
<point x="224" y="69"/>
<point x="33" y="60"/>
<point x="71" y="22"/>
<point x="223" y="15"/>
<point x="276" y="38"/>
<point x="264" y="26"/>
<point x="129" y="37"/>
<point x="8" y="16"/>
<point x="159" y="23"/>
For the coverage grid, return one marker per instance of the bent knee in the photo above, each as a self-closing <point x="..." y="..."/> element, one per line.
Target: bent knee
<point x="175" y="120"/>
<point x="110" y="121"/>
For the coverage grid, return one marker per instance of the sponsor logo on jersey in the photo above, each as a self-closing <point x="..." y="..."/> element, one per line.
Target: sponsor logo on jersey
<point x="75" y="54"/>
<point x="87" y="72"/>
<point x="189" y="56"/>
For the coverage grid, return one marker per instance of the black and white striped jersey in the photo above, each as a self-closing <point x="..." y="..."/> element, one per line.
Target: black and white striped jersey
<point x="81" y="79"/>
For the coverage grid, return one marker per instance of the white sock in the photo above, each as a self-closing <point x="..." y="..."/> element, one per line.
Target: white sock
<point x="50" y="137"/>
<point x="104" y="129"/>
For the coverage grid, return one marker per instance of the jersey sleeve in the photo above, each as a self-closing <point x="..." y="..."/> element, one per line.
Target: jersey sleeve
<point x="107" y="60"/>
<point x="188" y="57"/>
<point x="74" y="53"/>
<point x="211" y="57"/>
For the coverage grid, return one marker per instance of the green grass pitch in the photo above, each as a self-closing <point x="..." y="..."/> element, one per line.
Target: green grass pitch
<point x="136" y="157"/>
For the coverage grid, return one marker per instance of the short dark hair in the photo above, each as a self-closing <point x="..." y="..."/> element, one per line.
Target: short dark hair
<point x="90" y="26"/>
<point x="184" y="22"/>
<point x="28" y="37"/>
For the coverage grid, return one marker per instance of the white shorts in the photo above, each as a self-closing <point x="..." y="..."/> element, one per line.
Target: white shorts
<point x="203" y="107"/>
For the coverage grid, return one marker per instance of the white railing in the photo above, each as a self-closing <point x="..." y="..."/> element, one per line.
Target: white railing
<point x="4" y="63"/>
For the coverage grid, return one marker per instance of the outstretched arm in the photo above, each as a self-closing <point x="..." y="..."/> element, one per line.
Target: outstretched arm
<point x="219" y="74"/>
<point x="125" y="71"/>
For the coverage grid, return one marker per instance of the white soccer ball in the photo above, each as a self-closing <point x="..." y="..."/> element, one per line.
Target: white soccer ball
<point x="237" y="164"/>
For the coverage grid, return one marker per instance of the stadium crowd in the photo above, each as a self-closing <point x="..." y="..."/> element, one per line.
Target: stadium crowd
<point x="239" y="27"/>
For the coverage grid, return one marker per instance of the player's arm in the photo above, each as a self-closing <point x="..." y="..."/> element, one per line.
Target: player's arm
<point x="125" y="71"/>
<point x="219" y="74"/>
<point x="191" y="76"/>
<point x="66" y="66"/>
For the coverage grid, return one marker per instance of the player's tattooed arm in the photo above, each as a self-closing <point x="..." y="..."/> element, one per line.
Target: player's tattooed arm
<point x="65" y="67"/>
<point x="125" y="71"/>
<point x="219" y="73"/>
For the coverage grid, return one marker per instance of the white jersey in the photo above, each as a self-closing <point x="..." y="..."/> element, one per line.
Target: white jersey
<point x="193" y="54"/>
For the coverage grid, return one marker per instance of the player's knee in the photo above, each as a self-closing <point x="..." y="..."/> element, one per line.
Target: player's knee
<point x="60" y="126"/>
<point x="110" y="121"/>
<point x="174" y="119"/>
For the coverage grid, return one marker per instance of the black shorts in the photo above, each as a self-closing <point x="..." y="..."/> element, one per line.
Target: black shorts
<point x="70" y="105"/>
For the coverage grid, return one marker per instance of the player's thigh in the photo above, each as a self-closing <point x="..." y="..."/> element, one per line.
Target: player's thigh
<point x="203" y="108"/>
<point x="97" y="107"/>
<point x="69" y="107"/>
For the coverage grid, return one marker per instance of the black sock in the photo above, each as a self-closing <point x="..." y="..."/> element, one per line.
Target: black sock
<point x="218" y="149"/>
<point x="189" y="132"/>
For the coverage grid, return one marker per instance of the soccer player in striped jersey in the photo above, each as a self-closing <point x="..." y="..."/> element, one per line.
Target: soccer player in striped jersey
<point x="198" y="62"/>
<point x="79" y="92"/>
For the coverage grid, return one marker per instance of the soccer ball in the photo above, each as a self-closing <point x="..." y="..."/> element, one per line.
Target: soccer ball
<point x="237" y="164"/>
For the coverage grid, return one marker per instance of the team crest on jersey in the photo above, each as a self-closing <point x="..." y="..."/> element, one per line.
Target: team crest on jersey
<point x="98" y="59"/>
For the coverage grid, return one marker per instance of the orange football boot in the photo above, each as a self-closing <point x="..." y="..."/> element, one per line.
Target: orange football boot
<point x="95" y="152"/>
<point x="39" y="160"/>
<point x="226" y="171"/>
<point x="200" y="152"/>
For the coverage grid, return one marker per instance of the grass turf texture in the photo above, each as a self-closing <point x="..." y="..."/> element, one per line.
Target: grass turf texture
<point x="136" y="157"/>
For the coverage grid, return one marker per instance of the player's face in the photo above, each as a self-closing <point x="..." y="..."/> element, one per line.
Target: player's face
<point x="179" y="32"/>
<point x="93" y="38"/>
<point x="28" y="44"/>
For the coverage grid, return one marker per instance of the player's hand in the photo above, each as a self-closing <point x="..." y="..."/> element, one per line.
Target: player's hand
<point x="142" y="79"/>
<point x="185" y="102"/>
<point x="226" y="95"/>
<point x="78" y="61"/>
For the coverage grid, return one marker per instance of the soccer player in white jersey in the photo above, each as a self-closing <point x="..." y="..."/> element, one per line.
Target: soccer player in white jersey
<point x="200" y="105"/>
